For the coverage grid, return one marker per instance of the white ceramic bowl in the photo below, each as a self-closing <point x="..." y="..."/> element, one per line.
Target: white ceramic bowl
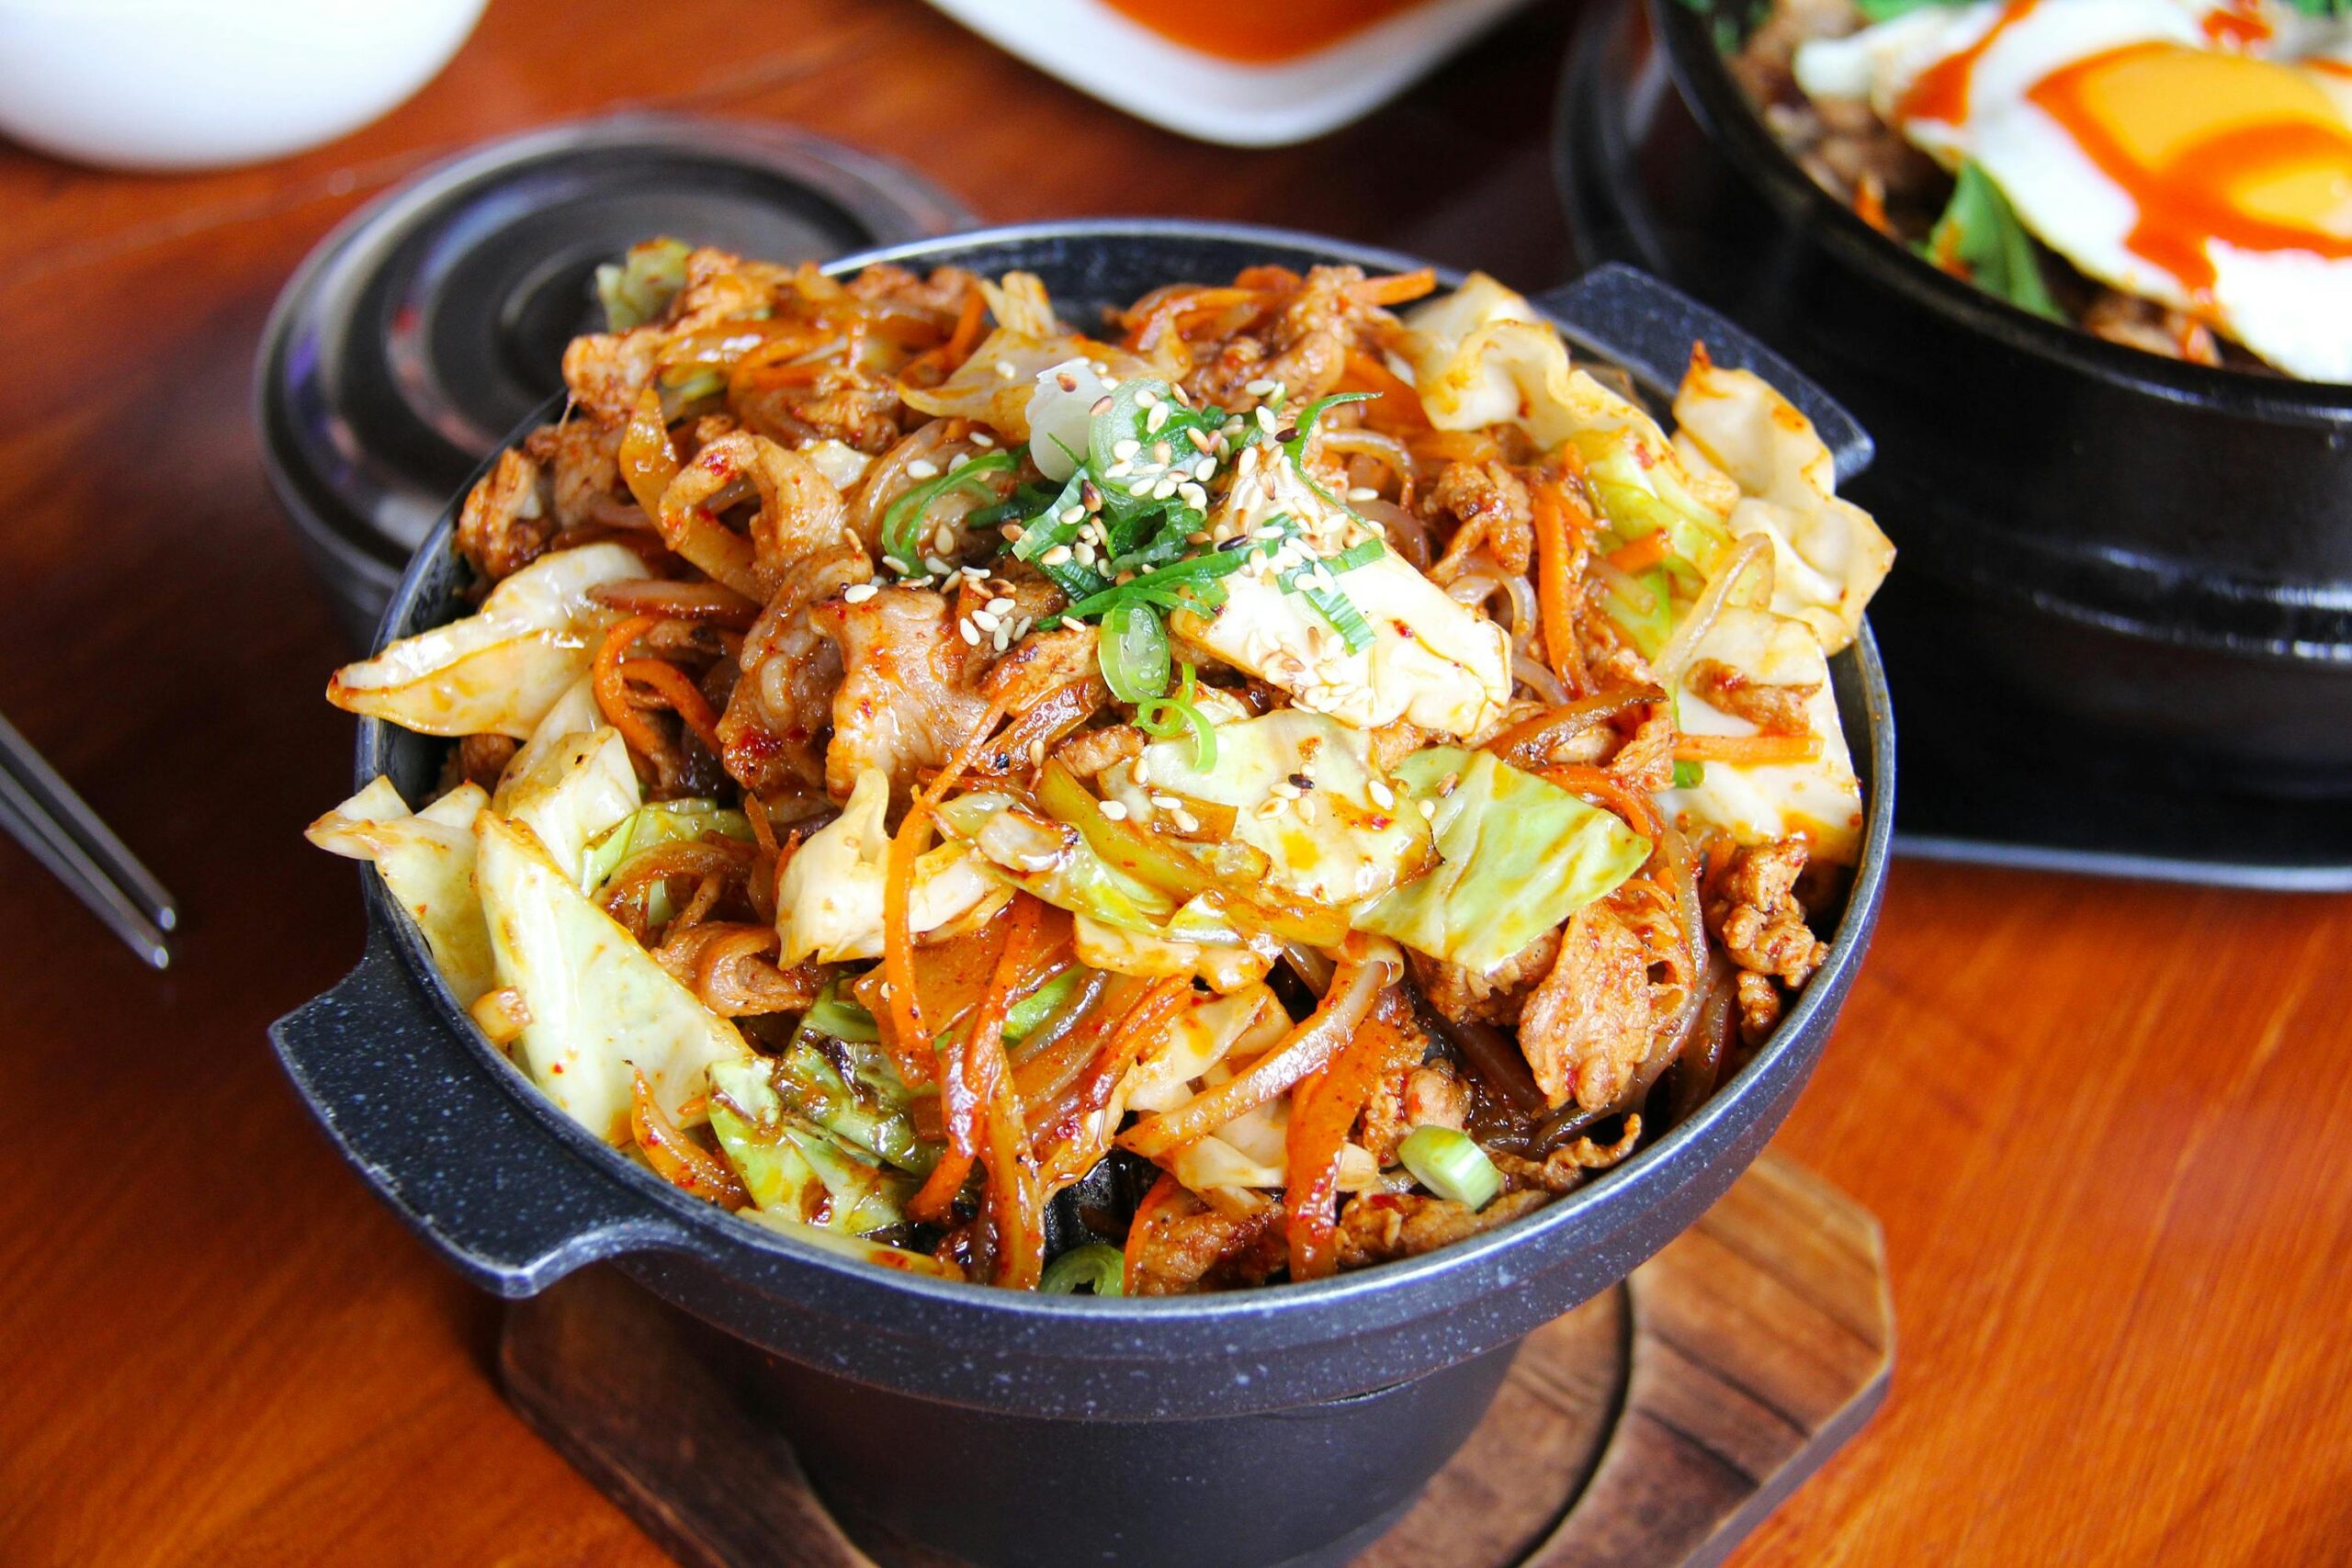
<point x="204" y="84"/>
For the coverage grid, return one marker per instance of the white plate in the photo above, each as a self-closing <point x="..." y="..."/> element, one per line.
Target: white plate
<point x="1128" y="66"/>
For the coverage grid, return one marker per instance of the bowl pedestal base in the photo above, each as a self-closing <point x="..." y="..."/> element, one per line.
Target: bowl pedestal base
<point x="1655" y="1425"/>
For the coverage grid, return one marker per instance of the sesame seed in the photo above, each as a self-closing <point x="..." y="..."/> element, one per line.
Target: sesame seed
<point x="1163" y="489"/>
<point x="1287" y="433"/>
<point x="1194" y="497"/>
<point x="1199" y="440"/>
<point x="976" y="574"/>
<point x="1199" y="539"/>
<point x="1428" y="810"/>
<point x="1304" y="781"/>
<point x="958" y="460"/>
<point x="1036" y="753"/>
<point x="1146" y="399"/>
<point x="1004" y="638"/>
<point x="982" y="439"/>
<point x="969" y="632"/>
<point x="1117" y="810"/>
<point x="1273" y="807"/>
<point x="1259" y="387"/>
<point x="1011" y="532"/>
<point x="1265" y="419"/>
<point x="987" y="620"/>
<point x="1055" y="556"/>
<point x="1158" y="418"/>
<point x="859" y="592"/>
<point x="1086" y="554"/>
<point x="1066" y="381"/>
<point x="1102" y="406"/>
<point x="1363" y="492"/>
<point x="1167" y="803"/>
<point x="939" y="568"/>
<point x="1126" y="450"/>
<point x="1140" y="488"/>
<point x="1073" y="513"/>
<point x="894" y="564"/>
<point x="1100" y="369"/>
<point x="1004" y="368"/>
<point x="1382" y="795"/>
<point x="1286" y="790"/>
<point x="1276" y="391"/>
<point x="1230" y="428"/>
<point x="1206" y="468"/>
<point x="1021" y="627"/>
<point x="1090" y="495"/>
<point x="1186" y="822"/>
<point x="1266" y="531"/>
<point x="1119" y="470"/>
<point x="1161" y="452"/>
<point x="999" y="606"/>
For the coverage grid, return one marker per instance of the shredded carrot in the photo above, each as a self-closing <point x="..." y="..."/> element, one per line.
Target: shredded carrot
<point x="966" y="335"/>
<point x="1164" y="1194"/>
<point x="1640" y="812"/>
<point x="973" y="1063"/>
<point x="1869" y="204"/>
<point x="1397" y="288"/>
<point x="1016" y="1203"/>
<point x="1553" y="590"/>
<point x="680" y="694"/>
<point x="1641" y="554"/>
<point x="611" y="687"/>
<point x="909" y="1040"/>
<point x="1142" y="1023"/>
<point x="1747" y="750"/>
<point x="1398" y="407"/>
<point x="969" y="752"/>
<point x="1323" y="1107"/>
<point x="681" y="1160"/>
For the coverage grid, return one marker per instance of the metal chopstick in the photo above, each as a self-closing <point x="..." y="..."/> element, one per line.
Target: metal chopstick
<point x="57" y="829"/>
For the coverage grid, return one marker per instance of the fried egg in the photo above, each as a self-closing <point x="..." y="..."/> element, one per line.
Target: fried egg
<point x="2199" y="155"/>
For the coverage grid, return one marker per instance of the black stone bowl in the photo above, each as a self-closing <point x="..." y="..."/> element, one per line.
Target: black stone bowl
<point x="1285" y="1425"/>
<point x="2157" y="550"/>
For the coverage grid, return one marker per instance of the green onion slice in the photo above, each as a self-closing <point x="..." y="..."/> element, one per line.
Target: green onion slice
<point x="1096" y="1265"/>
<point x="1450" y="1165"/>
<point x="1134" y="651"/>
<point x="902" y="519"/>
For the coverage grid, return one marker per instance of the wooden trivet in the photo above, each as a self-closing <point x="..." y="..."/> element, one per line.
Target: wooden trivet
<point x="1655" y="1425"/>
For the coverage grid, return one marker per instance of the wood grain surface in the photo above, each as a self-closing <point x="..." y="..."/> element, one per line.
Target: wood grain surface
<point x="2102" y="1123"/>
<point x="1651" y="1427"/>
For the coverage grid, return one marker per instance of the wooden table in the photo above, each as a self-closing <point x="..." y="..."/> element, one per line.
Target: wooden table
<point x="2103" y="1123"/>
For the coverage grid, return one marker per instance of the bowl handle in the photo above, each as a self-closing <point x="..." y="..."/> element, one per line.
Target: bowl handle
<point x="1630" y="317"/>
<point x="444" y="1145"/>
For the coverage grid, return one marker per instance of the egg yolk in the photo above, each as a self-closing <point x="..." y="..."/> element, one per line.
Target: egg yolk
<point x="2210" y="147"/>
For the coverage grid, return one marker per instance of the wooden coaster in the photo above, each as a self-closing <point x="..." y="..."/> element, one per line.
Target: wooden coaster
<point x="1655" y="1425"/>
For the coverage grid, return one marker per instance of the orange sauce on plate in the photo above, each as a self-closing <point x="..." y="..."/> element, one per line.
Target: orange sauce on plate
<point x="1257" y="32"/>
<point x="1941" y="93"/>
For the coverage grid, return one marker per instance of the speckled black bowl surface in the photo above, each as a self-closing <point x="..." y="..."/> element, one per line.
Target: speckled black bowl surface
<point x="1168" y="1430"/>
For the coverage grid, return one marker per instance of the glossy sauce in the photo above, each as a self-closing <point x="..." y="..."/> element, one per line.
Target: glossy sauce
<point x="1941" y="93"/>
<point x="1257" y="32"/>
<point x="2261" y="162"/>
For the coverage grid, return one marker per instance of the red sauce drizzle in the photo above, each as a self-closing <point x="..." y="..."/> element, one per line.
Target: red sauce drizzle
<point x="2235" y="25"/>
<point x="2187" y="202"/>
<point x="1941" y="93"/>
<point x="1257" y="32"/>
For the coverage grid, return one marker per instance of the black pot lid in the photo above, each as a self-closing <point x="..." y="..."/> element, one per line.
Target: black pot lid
<point x="434" y="320"/>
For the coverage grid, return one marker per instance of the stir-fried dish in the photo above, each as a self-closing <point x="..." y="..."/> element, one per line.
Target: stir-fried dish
<point x="2172" y="175"/>
<point x="1274" y="784"/>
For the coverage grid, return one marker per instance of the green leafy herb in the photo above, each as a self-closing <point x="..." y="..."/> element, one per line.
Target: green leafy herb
<point x="1980" y="239"/>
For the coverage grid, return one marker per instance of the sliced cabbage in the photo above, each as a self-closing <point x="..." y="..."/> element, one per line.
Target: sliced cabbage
<point x="877" y="1253"/>
<point x="426" y="860"/>
<point x="601" y="1009"/>
<point x="499" y="670"/>
<point x="574" y="712"/>
<point x="1829" y="556"/>
<point x="1517" y="855"/>
<point x="1332" y="845"/>
<point x="1482" y="355"/>
<point x="1821" y="799"/>
<point x="842" y="464"/>
<point x="994" y="386"/>
<point x="1062" y="417"/>
<point x="830" y="900"/>
<point x="653" y="825"/>
<point x="579" y="791"/>
<point x="1251" y="1151"/>
<point x="1246" y="1023"/>
<point x="1219" y="956"/>
<point x="1051" y="861"/>
<point x="793" y="1167"/>
<point x="849" y="1089"/>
